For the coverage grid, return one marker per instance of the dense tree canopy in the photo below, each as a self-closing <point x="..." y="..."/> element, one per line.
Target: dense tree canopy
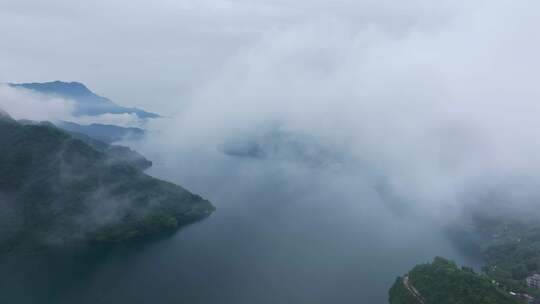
<point x="56" y="190"/>
<point x="443" y="282"/>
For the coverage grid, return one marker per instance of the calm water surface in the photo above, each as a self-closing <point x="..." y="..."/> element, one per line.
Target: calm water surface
<point x="281" y="234"/>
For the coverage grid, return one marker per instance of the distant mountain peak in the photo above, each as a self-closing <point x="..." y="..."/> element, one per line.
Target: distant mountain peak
<point x="63" y="88"/>
<point x="73" y="85"/>
<point x="87" y="102"/>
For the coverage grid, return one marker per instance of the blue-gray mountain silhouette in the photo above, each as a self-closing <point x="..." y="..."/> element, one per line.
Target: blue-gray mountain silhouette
<point x="103" y="132"/>
<point x="86" y="101"/>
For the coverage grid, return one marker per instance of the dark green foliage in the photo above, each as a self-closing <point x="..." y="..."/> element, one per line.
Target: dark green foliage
<point x="443" y="282"/>
<point x="511" y="251"/>
<point x="115" y="152"/>
<point x="56" y="190"/>
<point x="398" y="294"/>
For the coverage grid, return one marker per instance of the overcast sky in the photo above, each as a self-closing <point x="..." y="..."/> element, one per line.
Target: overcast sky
<point x="377" y="109"/>
<point x="437" y="95"/>
<point x="155" y="54"/>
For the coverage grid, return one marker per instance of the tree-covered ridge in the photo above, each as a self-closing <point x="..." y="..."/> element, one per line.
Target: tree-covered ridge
<point x="511" y="250"/>
<point x="103" y="132"/>
<point x="57" y="190"/>
<point x="399" y="294"/>
<point x="443" y="282"/>
<point x="115" y="152"/>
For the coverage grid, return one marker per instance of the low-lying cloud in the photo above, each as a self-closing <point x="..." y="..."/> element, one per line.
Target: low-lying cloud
<point x="329" y="134"/>
<point x="433" y="110"/>
<point x="123" y="119"/>
<point x="25" y="104"/>
<point x="434" y="99"/>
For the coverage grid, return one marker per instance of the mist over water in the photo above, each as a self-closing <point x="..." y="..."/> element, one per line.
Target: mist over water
<point x="283" y="232"/>
<point x="338" y="142"/>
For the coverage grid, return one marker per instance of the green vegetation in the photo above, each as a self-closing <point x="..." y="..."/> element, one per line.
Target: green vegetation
<point x="511" y="250"/>
<point x="56" y="190"/>
<point x="399" y="294"/>
<point x="509" y="239"/>
<point x="443" y="282"/>
<point x="115" y="152"/>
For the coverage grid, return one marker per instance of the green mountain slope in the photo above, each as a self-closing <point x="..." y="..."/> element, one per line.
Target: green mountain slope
<point x="511" y="248"/>
<point x="442" y="282"/>
<point x="56" y="190"/>
<point x="115" y="152"/>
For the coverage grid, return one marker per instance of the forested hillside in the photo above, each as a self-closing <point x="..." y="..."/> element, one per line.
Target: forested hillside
<point x="57" y="190"/>
<point x="443" y="282"/>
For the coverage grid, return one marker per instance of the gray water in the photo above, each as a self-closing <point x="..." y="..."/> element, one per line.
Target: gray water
<point x="282" y="233"/>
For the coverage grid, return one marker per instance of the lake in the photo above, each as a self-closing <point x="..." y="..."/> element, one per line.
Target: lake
<point x="282" y="233"/>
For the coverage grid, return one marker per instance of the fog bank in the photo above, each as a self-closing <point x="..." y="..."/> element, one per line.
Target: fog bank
<point x="426" y="111"/>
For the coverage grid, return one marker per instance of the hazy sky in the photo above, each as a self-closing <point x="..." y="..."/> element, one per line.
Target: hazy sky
<point x="412" y="109"/>
<point x="156" y="53"/>
<point x="434" y="95"/>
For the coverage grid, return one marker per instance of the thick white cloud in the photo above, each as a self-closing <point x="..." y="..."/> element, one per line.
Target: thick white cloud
<point x="155" y="54"/>
<point x="437" y="108"/>
<point x="24" y="104"/>
<point x="435" y="95"/>
<point x="123" y="120"/>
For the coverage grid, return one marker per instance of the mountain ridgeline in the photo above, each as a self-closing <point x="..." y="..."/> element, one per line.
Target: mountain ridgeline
<point x="103" y="132"/>
<point x="57" y="190"/>
<point x="86" y="102"/>
<point x="115" y="152"/>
